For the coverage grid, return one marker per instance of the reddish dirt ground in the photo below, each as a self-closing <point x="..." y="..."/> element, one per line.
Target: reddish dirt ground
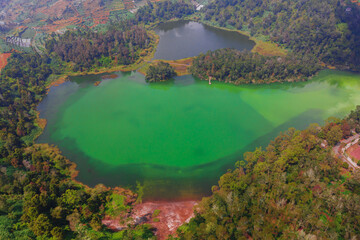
<point x="172" y="215"/>
<point x="354" y="152"/>
<point x="3" y="59"/>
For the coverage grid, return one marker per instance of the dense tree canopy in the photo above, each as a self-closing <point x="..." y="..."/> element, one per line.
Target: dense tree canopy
<point x="237" y="67"/>
<point x="327" y="29"/>
<point x="163" y="10"/>
<point x="22" y="85"/>
<point x="86" y="49"/>
<point x="160" y="71"/>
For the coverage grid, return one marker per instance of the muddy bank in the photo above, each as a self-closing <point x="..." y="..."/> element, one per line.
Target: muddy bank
<point x="58" y="82"/>
<point x="165" y="217"/>
<point x="109" y="76"/>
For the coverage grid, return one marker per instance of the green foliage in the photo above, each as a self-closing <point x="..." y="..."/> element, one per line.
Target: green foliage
<point x="161" y="71"/>
<point x="86" y="49"/>
<point x="10" y="214"/>
<point x="237" y="67"/>
<point x="139" y="191"/>
<point x="334" y="135"/>
<point x="115" y="205"/>
<point x="144" y="231"/>
<point x="163" y="10"/>
<point x="21" y="89"/>
<point x="156" y="213"/>
<point x="71" y="197"/>
<point x="354" y="119"/>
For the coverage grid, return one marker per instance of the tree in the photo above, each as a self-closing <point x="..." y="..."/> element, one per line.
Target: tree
<point x="41" y="226"/>
<point x="334" y="135"/>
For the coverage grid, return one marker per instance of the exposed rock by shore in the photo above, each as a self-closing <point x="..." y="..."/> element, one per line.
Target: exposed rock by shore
<point x="170" y="216"/>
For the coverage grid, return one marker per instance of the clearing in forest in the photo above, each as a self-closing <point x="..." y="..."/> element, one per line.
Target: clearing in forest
<point x="3" y="59"/>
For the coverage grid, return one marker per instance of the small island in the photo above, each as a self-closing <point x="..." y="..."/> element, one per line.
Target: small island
<point x="160" y="71"/>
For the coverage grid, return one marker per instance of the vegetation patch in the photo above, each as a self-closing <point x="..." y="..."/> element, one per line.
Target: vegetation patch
<point x="160" y="71"/>
<point x="229" y="65"/>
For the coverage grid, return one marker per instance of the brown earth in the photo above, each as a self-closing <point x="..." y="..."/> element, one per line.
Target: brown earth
<point x="172" y="215"/>
<point x="58" y="82"/>
<point x="354" y="152"/>
<point x="109" y="76"/>
<point x="181" y="66"/>
<point x="3" y="59"/>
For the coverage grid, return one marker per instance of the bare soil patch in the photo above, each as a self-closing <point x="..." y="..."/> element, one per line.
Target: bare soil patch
<point x="165" y="217"/>
<point x="3" y="59"/>
<point x="354" y="152"/>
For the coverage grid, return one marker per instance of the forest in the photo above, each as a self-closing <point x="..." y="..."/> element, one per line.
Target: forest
<point x="86" y="49"/>
<point x="164" y="10"/>
<point x="292" y="189"/>
<point x="328" y="30"/>
<point x="233" y="66"/>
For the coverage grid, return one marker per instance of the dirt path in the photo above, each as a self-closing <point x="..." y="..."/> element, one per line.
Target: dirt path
<point x="166" y="219"/>
<point x="341" y="151"/>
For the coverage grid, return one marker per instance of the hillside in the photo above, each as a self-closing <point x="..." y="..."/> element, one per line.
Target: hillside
<point x="328" y="30"/>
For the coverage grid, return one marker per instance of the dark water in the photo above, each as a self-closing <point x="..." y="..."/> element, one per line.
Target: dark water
<point x="184" y="39"/>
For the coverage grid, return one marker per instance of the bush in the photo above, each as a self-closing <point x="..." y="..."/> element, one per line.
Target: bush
<point x="156" y="213"/>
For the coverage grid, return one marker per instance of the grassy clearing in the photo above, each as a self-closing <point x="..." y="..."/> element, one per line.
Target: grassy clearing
<point x="181" y="66"/>
<point x="268" y="48"/>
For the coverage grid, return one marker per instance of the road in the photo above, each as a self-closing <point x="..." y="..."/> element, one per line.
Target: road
<point x="340" y="152"/>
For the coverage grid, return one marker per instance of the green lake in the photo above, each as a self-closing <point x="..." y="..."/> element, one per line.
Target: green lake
<point x="178" y="138"/>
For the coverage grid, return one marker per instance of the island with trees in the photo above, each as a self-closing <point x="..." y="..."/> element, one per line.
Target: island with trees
<point x="160" y="71"/>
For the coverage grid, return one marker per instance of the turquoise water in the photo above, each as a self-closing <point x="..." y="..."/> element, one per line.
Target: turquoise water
<point x="178" y="138"/>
